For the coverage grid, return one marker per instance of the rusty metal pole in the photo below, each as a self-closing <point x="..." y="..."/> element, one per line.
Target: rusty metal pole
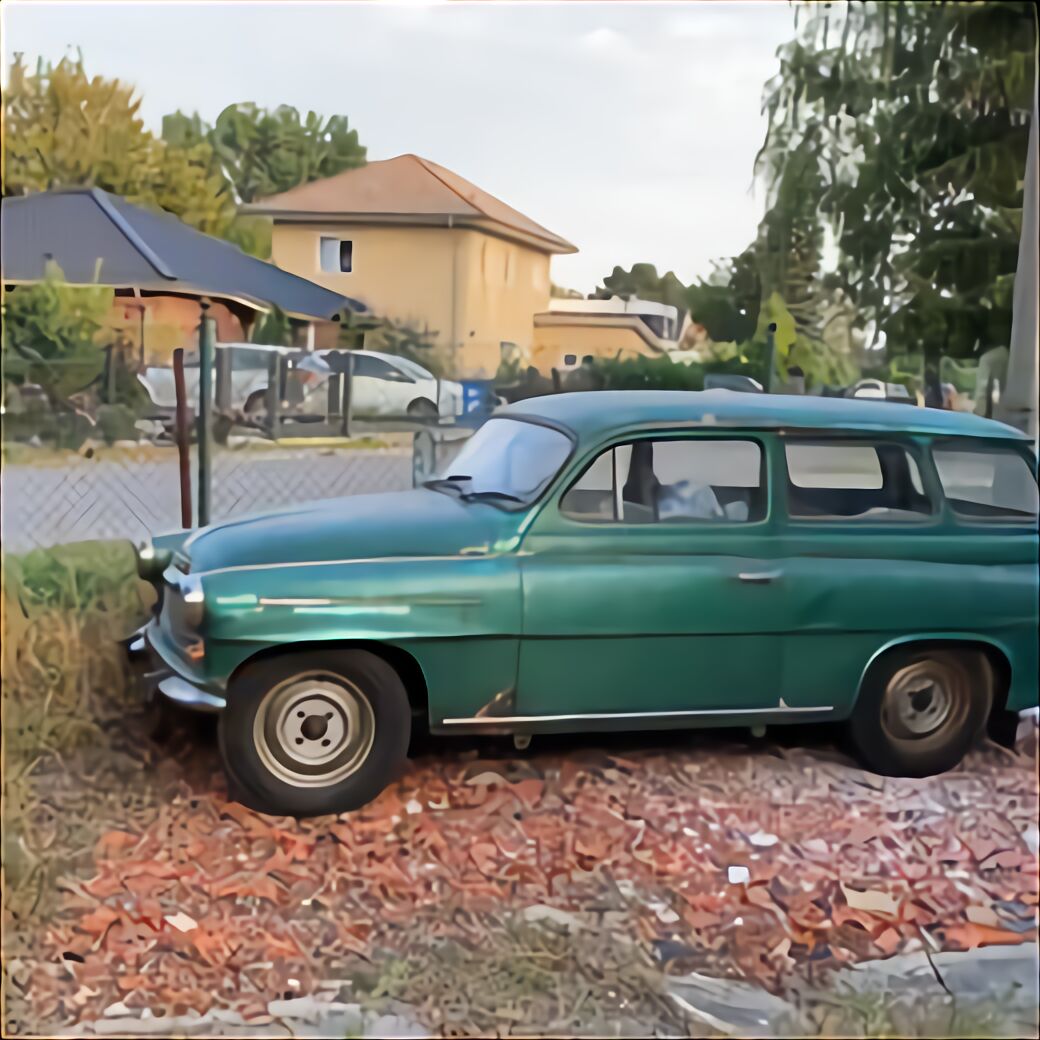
<point x="181" y="430"/>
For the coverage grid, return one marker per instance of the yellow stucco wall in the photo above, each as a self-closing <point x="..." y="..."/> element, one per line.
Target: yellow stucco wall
<point x="553" y="342"/>
<point x="408" y="274"/>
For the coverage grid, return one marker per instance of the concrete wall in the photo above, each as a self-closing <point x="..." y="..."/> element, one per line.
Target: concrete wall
<point x="470" y="290"/>
<point x="554" y="338"/>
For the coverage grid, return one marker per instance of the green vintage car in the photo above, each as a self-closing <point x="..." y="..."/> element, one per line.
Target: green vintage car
<point x="614" y="561"/>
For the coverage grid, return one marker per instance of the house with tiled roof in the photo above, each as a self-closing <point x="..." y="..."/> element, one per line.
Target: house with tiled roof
<point x="421" y="245"/>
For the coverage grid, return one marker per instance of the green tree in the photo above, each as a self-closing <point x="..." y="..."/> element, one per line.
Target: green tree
<point x="63" y="128"/>
<point x="726" y="305"/>
<point x="904" y="125"/>
<point x="263" y="151"/>
<point x="643" y="281"/>
<point x="51" y="335"/>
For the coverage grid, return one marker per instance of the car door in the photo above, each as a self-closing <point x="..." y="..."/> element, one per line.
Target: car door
<point x="649" y="585"/>
<point x="372" y="384"/>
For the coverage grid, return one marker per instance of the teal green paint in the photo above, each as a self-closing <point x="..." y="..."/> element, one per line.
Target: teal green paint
<point x="574" y="618"/>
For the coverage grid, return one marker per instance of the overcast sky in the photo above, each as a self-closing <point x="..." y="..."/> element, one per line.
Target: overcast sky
<point x="629" y="129"/>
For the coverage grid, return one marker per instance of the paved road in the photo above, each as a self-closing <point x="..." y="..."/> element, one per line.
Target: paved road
<point x="135" y="497"/>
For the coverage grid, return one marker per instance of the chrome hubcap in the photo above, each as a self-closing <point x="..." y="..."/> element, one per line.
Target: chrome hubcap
<point x="314" y="730"/>
<point x="918" y="700"/>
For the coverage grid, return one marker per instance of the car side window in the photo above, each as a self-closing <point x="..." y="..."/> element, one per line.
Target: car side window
<point x="986" y="482"/>
<point x="854" y="480"/>
<point x="668" y="481"/>
<point x="375" y="368"/>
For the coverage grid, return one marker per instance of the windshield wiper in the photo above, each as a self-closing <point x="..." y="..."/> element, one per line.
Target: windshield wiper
<point x="447" y="483"/>
<point x="476" y="496"/>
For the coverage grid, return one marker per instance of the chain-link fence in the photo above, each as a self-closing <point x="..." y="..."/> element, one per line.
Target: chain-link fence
<point x="133" y="492"/>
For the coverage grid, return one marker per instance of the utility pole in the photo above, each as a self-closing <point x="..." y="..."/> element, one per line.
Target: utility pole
<point x="1018" y="400"/>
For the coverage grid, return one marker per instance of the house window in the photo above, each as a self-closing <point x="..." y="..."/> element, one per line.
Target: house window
<point x="671" y="481"/>
<point x="337" y="255"/>
<point x="854" y="480"/>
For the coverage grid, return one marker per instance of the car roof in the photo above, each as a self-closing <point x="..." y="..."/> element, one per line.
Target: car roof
<point x="389" y="358"/>
<point x="591" y="414"/>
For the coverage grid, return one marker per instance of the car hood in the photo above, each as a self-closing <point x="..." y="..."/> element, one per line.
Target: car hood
<point x="420" y="522"/>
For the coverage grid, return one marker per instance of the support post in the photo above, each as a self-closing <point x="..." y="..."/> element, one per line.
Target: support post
<point x="770" y="356"/>
<point x="274" y="399"/>
<point x="334" y="407"/>
<point x="348" y="385"/>
<point x="223" y="366"/>
<point x="207" y="342"/>
<point x="182" y="434"/>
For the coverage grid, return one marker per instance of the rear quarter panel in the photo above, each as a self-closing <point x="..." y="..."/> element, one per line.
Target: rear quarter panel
<point x="855" y="594"/>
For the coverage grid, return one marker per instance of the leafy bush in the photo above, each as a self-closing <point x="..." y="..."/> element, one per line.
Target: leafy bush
<point x="51" y="333"/>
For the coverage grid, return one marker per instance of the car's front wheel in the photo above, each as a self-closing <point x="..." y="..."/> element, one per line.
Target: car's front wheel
<point x="314" y="733"/>
<point x="921" y="710"/>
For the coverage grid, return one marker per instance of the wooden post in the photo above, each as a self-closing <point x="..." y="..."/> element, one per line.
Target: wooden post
<point x="110" y="374"/>
<point x="334" y="407"/>
<point x="274" y="400"/>
<point x="181" y="432"/>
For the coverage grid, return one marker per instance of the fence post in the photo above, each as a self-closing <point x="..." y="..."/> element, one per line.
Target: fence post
<point x="771" y="355"/>
<point x="274" y="399"/>
<point x="183" y="447"/>
<point x="207" y="338"/>
<point x="348" y="385"/>
<point x="110" y="374"/>
<point x="334" y="404"/>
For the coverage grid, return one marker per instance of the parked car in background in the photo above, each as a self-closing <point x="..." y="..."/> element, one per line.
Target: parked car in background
<point x="616" y="561"/>
<point x="732" y="381"/>
<point x="249" y="375"/>
<point x="382" y="385"/>
<point x="877" y="390"/>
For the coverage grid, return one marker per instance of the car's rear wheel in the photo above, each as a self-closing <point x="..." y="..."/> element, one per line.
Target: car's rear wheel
<point x="314" y="733"/>
<point x="920" y="711"/>
<point x="422" y="408"/>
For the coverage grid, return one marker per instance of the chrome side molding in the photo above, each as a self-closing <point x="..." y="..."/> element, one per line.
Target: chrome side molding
<point x="780" y="709"/>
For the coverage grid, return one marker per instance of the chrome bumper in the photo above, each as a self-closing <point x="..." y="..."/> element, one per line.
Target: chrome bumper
<point x="182" y="692"/>
<point x="163" y="680"/>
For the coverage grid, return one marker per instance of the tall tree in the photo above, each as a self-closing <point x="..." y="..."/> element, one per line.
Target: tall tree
<point x="266" y="151"/>
<point x="63" y="128"/>
<point x="915" y="117"/>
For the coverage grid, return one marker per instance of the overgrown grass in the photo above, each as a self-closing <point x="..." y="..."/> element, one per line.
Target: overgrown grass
<point x="64" y="678"/>
<point x="63" y="611"/>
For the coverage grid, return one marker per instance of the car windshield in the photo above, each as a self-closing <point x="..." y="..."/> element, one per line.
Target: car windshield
<point x="505" y="461"/>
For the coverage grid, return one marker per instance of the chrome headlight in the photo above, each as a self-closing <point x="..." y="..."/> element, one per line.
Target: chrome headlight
<point x="151" y="562"/>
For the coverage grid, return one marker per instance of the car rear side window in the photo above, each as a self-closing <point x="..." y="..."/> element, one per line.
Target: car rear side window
<point x="854" y="480"/>
<point x="986" y="483"/>
<point x="671" y="481"/>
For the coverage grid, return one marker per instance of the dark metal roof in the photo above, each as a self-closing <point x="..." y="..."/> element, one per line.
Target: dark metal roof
<point x="99" y="238"/>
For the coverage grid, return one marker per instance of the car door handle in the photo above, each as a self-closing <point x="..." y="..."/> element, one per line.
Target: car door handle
<point x="759" y="577"/>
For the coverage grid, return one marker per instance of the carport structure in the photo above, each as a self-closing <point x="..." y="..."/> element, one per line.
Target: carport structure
<point x="158" y="266"/>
